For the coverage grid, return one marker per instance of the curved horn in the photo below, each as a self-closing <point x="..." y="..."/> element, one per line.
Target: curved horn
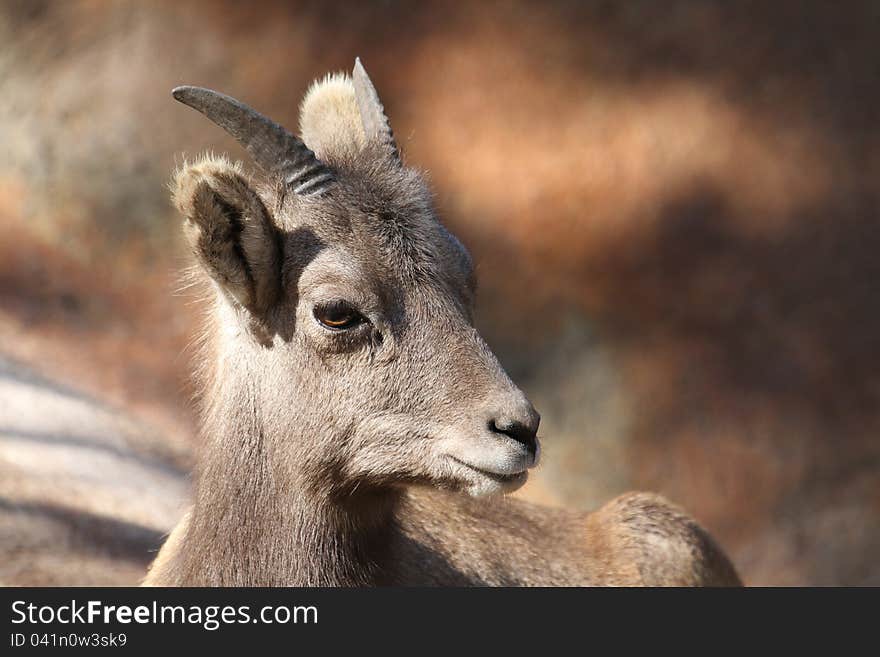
<point x="376" y="125"/>
<point x="273" y="148"/>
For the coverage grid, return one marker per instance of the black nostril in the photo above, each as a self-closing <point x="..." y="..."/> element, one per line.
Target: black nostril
<point x="524" y="435"/>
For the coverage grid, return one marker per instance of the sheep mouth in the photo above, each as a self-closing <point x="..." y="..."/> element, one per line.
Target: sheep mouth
<point x="500" y="477"/>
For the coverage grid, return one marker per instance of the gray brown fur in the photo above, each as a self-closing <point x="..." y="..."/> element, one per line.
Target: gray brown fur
<point x="375" y="455"/>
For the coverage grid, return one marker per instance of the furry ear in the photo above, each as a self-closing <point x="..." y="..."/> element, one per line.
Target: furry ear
<point x="230" y="232"/>
<point x="330" y="121"/>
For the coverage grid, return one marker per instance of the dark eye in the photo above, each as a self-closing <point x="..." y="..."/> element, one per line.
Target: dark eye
<point x="338" y="315"/>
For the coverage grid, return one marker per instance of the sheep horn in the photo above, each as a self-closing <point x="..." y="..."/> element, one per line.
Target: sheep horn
<point x="272" y="147"/>
<point x="376" y="124"/>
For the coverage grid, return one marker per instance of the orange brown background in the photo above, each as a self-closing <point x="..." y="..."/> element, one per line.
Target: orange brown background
<point x="673" y="208"/>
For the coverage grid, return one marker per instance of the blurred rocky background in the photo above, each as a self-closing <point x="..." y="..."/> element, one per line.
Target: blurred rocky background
<point x="673" y="208"/>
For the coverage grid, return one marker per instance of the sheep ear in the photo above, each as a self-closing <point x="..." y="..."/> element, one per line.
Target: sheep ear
<point x="231" y="233"/>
